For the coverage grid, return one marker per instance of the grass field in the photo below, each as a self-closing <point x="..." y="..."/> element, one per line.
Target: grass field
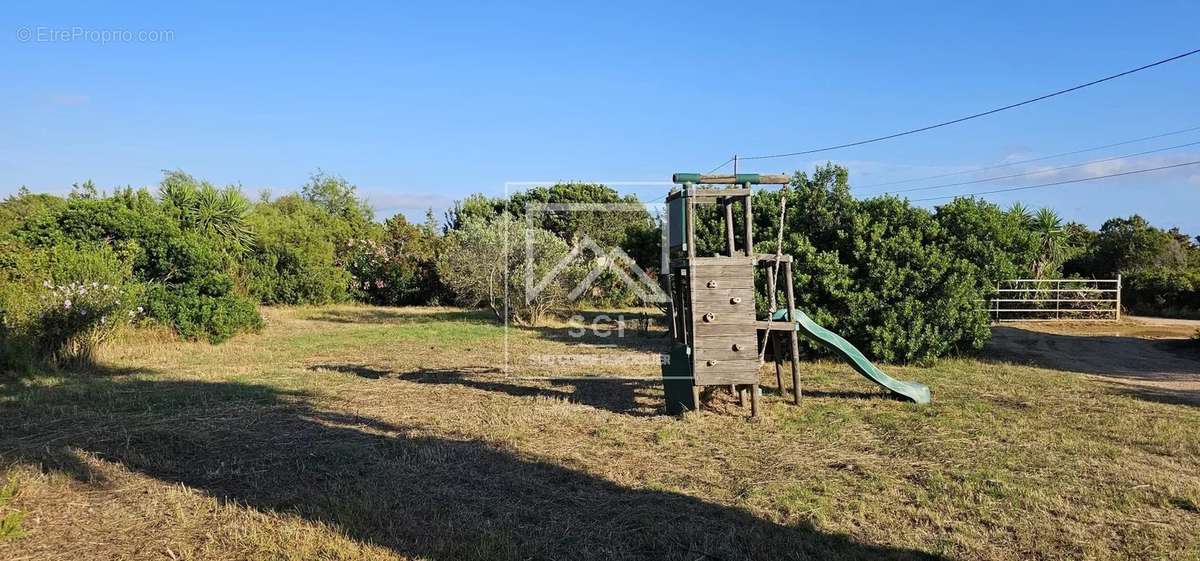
<point x="371" y="433"/>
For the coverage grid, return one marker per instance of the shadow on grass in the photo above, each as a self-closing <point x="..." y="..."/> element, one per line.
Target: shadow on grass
<point x="616" y="395"/>
<point x="610" y="330"/>
<point x="853" y="394"/>
<point x="420" y="496"/>
<point x="360" y="370"/>
<point x="1133" y="358"/>
<point x="399" y="315"/>
<point x="1157" y="394"/>
<point x="1159" y="370"/>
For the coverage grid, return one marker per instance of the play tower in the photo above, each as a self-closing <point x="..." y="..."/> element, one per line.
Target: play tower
<point x="717" y="338"/>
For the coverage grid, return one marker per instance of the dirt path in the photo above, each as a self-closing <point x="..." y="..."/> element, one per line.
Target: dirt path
<point x="1152" y="356"/>
<point x="1192" y="323"/>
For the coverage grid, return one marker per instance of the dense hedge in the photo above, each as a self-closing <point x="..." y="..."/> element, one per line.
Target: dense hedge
<point x="879" y="272"/>
<point x="194" y="257"/>
<point x="1161" y="268"/>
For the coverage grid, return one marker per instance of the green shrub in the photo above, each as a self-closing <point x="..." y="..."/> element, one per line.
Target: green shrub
<point x="83" y="297"/>
<point x="195" y="315"/>
<point x="11" y="519"/>
<point x="77" y="318"/>
<point x="1162" y="292"/>
<point x="194" y="293"/>
<point x="178" y="246"/>
<point x="377" y="276"/>
<point x="876" y="271"/>
<point x="996" y="242"/>
<point x="397" y="271"/>
<point x="485" y="262"/>
<point x="293" y="260"/>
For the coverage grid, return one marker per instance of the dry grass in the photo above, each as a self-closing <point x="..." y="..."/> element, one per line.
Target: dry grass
<point x="366" y="433"/>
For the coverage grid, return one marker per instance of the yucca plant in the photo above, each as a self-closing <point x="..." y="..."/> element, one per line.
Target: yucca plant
<point x="1051" y="237"/>
<point x="219" y="213"/>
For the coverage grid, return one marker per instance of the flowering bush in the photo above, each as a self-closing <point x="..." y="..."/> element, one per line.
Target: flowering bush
<point x="76" y="318"/>
<point x="383" y="276"/>
<point x="59" y="304"/>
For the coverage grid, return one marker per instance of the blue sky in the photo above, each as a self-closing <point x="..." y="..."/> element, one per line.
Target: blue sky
<point x="420" y="104"/>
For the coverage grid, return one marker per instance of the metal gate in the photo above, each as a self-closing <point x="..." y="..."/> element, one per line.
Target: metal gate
<point x="1056" y="300"/>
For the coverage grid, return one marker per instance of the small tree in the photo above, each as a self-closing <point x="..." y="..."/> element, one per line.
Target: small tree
<point x="487" y="263"/>
<point x="339" y="198"/>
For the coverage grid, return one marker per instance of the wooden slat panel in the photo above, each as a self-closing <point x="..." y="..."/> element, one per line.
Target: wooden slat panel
<point x="722" y="261"/>
<point x="745" y="321"/>
<point x="700" y="283"/>
<point x="725" y="315"/>
<point x="775" y="325"/>
<point x="713" y="194"/>
<point x="724" y="353"/>
<point x="727" y="372"/>
<point x="724" y="329"/>
<point x="724" y="295"/>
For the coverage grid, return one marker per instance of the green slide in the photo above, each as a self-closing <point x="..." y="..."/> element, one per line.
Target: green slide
<point x="918" y="393"/>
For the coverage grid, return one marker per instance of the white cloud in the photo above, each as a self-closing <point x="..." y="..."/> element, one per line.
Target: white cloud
<point x="388" y="203"/>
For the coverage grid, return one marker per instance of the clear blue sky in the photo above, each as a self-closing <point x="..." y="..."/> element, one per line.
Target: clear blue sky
<point x="422" y="103"/>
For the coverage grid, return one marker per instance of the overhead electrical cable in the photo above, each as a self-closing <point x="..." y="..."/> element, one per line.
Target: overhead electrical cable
<point x="1038" y="171"/>
<point x="1029" y="161"/>
<point x="1054" y="183"/>
<point x="975" y="115"/>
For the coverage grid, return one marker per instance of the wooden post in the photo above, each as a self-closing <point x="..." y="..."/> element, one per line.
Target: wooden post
<point x="728" y="204"/>
<point x="755" y="401"/>
<point x="773" y="340"/>
<point x="691" y="222"/>
<point x="791" y="302"/>
<point x="749" y="223"/>
<point x="695" y="398"/>
<point x="741" y="393"/>
<point x="778" y="363"/>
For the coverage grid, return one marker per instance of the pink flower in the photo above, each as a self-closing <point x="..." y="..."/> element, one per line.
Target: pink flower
<point x="66" y="304"/>
<point x="379" y="284"/>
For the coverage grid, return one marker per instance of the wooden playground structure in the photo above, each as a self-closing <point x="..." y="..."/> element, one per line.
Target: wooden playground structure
<point x="717" y="338"/>
<point x="713" y="298"/>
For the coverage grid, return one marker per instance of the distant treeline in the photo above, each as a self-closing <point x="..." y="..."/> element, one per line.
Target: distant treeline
<point x="901" y="281"/>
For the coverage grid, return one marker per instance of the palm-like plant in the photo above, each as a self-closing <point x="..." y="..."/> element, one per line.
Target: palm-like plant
<point x="1021" y="212"/>
<point x="200" y="207"/>
<point x="1051" y="239"/>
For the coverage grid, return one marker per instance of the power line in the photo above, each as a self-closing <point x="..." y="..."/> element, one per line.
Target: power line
<point x="1067" y="182"/>
<point x="1041" y="171"/>
<point x="1031" y="160"/>
<point x="976" y="115"/>
<point x="723" y="164"/>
